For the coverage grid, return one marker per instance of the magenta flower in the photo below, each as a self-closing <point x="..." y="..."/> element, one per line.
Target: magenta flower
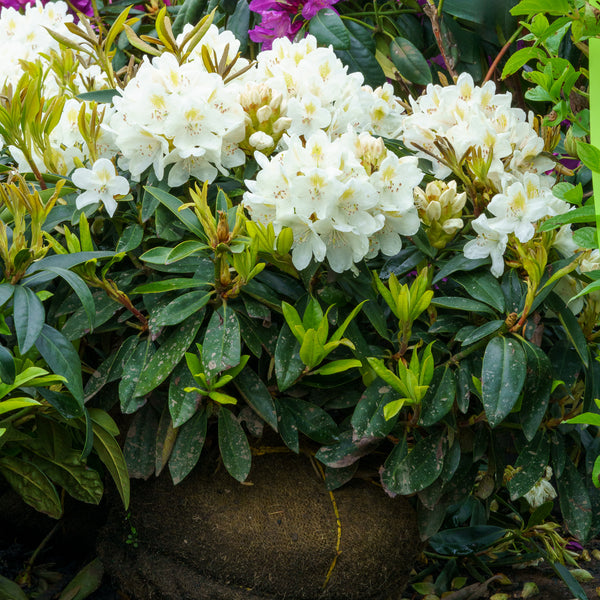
<point x="82" y="6"/>
<point x="283" y="18"/>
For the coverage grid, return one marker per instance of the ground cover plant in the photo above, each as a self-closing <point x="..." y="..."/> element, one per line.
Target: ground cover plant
<point x="368" y="229"/>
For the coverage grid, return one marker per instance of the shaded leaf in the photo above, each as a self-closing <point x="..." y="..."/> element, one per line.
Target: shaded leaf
<point x="234" y="446"/>
<point x="256" y="395"/>
<point x="409" y="61"/>
<point x="288" y="364"/>
<point x="188" y="446"/>
<point x="28" y="315"/>
<point x="222" y="344"/>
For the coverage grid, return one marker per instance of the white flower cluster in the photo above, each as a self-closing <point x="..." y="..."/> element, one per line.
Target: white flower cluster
<point x="470" y="116"/>
<point x="180" y="115"/>
<point x="320" y="94"/>
<point x="344" y="199"/>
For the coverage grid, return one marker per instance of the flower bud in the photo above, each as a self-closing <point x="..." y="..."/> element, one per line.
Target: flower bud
<point x="281" y="125"/>
<point x="261" y="140"/>
<point x="264" y="113"/>
<point x="433" y="211"/>
<point x="452" y="226"/>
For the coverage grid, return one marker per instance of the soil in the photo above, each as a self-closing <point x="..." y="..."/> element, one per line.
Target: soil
<point x="72" y="545"/>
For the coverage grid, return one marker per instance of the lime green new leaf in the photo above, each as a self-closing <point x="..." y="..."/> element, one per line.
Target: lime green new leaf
<point x="391" y="409"/>
<point x="502" y="378"/>
<point x="338" y="366"/>
<point x="390" y="378"/>
<point x="312" y="352"/>
<point x="409" y="61"/>
<point x="293" y="320"/>
<point x="16" y="403"/>
<point x="549" y="7"/>
<point x="234" y="446"/>
<point x="222" y="398"/>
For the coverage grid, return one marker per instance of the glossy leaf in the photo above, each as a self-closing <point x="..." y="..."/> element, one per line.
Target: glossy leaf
<point x="574" y="499"/>
<point x="345" y="452"/>
<point x="312" y="420"/>
<point x="32" y="485"/>
<point x="288" y="430"/>
<point x="409" y="61"/>
<point x="483" y="286"/>
<point x="288" y="364"/>
<point x="234" y="446"/>
<point x="28" y="315"/>
<point x="140" y="444"/>
<point x="465" y="540"/>
<point x="61" y="357"/>
<point x="368" y="420"/>
<point x="482" y="331"/>
<point x="132" y="368"/>
<point x="416" y="470"/>
<point x="502" y="378"/>
<point x="536" y="390"/>
<point x="131" y="238"/>
<point x="85" y="583"/>
<point x="439" y="398"/>
<point x="530" y="466"/>
<point x="186" y="216"/>
<point x="165" y="359"/>
<point x="256" y="395"/>
<point x="329" y="29"/>
<point x="179" y="309"/>
<point x="188" y="447"/>
<point x="222" y="342"/>
<point x="571" y="326"/>
<point x="182" y="404"/>
<point x="7" y="366"/>
<point x="458" y="303"/>
<point x="169" y="285"/>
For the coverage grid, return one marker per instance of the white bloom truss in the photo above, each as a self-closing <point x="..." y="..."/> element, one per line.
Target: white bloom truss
<point x="336" y="208"/>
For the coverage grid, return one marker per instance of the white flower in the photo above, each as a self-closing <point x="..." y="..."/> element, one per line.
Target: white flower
<point x="490" y="242"/>
<point x="101" y="183"/>
<point x="542" y="491"/>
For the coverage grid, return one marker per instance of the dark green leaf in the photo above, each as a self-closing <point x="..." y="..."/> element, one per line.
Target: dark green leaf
<point x="132" y="367"/>
<point x="168" y="355"/>
<point x="182" y="404"/>
<point x="222" y="344"/>
<point x="409" y="61"/>
<point x="63" y="261"/>
<point x="188" y="446"/>
<point x="169" y="285"/>
<point x="29" y="316"/>
<point x="584" y="214"/>
<point x="465" y="540"/>
<point x="502" y="378"/>
<point x="178" y="310"/>
<point x="336" y="478"/>
<point x="368" y="421"/>
<point x="572" y="583"/>
<point x="329" y="29"/>
<point x="65" y="404"/>
<point x="61" y="357"/>
<point x="483" y="286"/>
<point x="32" y="485"/>
<point x="530" y="466"/>
<point x="459" y="263"/>
<point x="288" y="365"/>
<point x="9" y="590"/>
<point x="131" y="238"/>
<point x="458" y="303"/>
<point x="482" y="331"/>
<point x="6" y="292"/>
<point x="256" y="395"/>
<point x="312" y="420"/>
<point x="99" y="96"/>
<point x="7" y="366"/>
<point x="571" y="327"/>
<point x="536" y="391"/>
<point x="416" y="470"/>
<point x="78" y="324"/>
<point x="140" y="444"/>
<point x="574" y="501"/>
<point x="234" y="446"/>
<point x="439" y="398"/>
<point x="85" y="583"/>
<point x="239" y="24"/>
<point x="345" y="452"/>
<point x="288" y="430"/>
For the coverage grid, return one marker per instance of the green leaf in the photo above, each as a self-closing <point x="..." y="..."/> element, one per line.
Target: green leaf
<point x="182" y="404"/>
<point x="188" y="446"/>
<point x="64" y="261"/>
<point x="338" y="366"/>
<point x="312" y="420"/>
<point x="140" y="444"/>
<point x="132" y="367"/>
<point x="32" y="485"/>
<point x="368" y="420"/>
<point x="416" y="470"/>
<point x="465" y="540"/>
<point x="583" y="214"/>
<point x="458" y="303"/>
<point x="257" y="396"/>
<point x="99" y="96"/>
<point x="288" y="430"/>
<point x="234" y="446"/>
<point x="7" y="366"/>
<point x="288" y="364"/>
<point x="183" y="250"/>
<point x="131" y="238"/>
<point x="585" y="237"/>
<point x="85" y="583"/>
<point x="482" y="331"/>
<point x="574" y="500"/>
<point x="571" y="326"/>
<point x="589" y="156"/>
<point x="329" y="29"/>
<point x="409" y="61"/>
<point x="29" y="316"/>
<point x="109" y="452"/>
<point x="530" y="466"/>
<point x="360" y="56"/>
<point x="186" y="216"/>
<point x="388" y="376"/>
<point x="570" y="581"/>
<point x="502" y="378"/>
<point x="550" y="7"/>
<point x="222" y="343"/>
<point x="483" y="286"/>
<point x="536" y="391"/>
<point x="459" y="263"/>
<point x="345" y="452"/>
<point x="61" y="357"/>
<point x="81" y="289"/>
<point x="169" y="285"/>
<point x="178" y="310"/>
<point x="168" y="356"/>
<point x="520" y="58"/>
<point x="6" y="292"/>
<point x="439" y="398"/>
<point x="9" y="590"/>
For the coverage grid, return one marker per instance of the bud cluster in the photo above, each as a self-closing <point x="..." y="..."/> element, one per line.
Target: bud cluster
<point x="440" y="209"/>
<point x="265" y="124"/>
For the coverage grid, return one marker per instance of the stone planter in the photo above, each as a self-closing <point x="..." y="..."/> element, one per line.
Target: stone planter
<point x="211" y="538"/>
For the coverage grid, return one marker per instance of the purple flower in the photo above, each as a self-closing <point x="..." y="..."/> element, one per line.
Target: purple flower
<point x="82" y="6"/>
<point x="283" y="18"/>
